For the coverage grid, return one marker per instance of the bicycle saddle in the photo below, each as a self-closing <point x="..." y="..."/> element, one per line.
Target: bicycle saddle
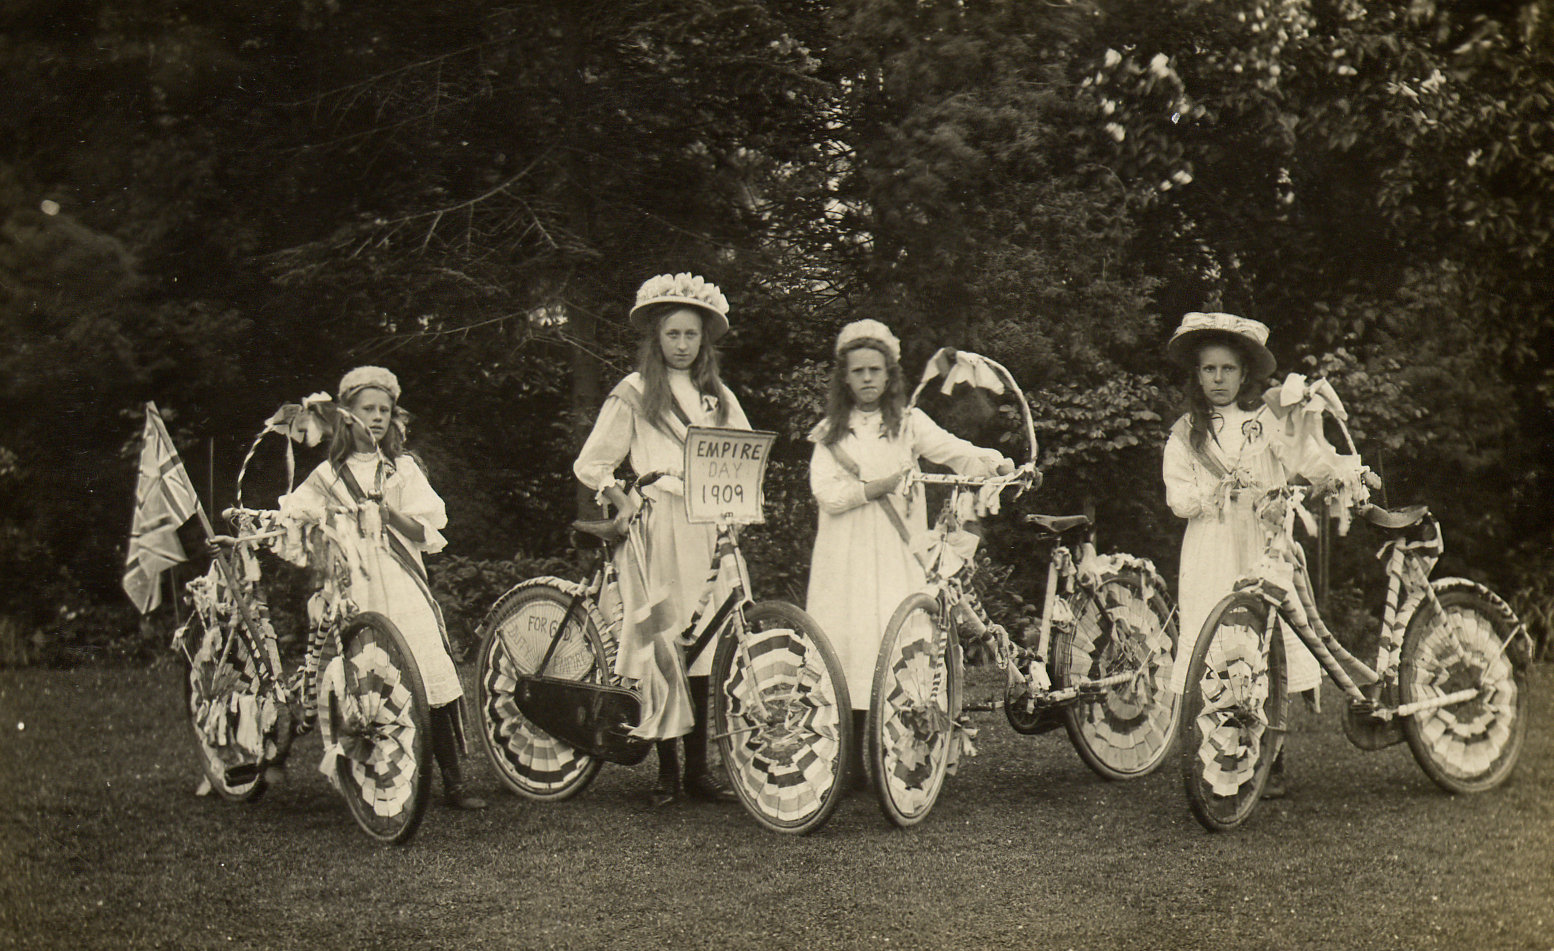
<point x="1401" y="518"/>
<point x="1058" y="524"/>
<point x="601" y="528"/>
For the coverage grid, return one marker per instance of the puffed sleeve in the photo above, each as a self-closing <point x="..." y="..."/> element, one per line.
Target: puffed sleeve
<point x="309" y="502"/>
<point x="1184" y="495"/>
<point x="607" y="445"/>
<point x="836" y="489"/>
<point x="420" y="503"/>
<point x="934" y="444"/>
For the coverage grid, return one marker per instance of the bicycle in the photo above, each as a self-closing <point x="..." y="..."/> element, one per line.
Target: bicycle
<point x="357" y="681"/>
<point x="1100" y="666"/>
<point x="553" y="709"/>
<point x="1450" y="675"/>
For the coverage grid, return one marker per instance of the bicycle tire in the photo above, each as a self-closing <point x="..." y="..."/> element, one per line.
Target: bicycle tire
<point x="213" y="680"/>
<point x="1128" y="731"/>
<point x="782" y="718"/>
<point x="376" y="722"/>
<point x="529" y="761"/>
<point x="1471" y="746"/>
<point x="1233" y="711"/>
<point x="913" y="710"/>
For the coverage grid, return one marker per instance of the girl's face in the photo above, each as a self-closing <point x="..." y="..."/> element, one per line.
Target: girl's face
<point x="375" y="408"/>
<point x="679" y="338"/>
<point x="866" y="376"/>
<point x="1220" y="373"/>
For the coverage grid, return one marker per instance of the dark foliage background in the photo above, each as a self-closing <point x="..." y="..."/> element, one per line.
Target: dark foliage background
<point x="224" y="206"/>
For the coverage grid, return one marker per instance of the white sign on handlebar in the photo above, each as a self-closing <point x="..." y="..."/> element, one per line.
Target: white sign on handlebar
<point x="724" y="472"/>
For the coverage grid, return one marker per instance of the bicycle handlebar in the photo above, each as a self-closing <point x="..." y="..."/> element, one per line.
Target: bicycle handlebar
<point x="1027" y="475"/>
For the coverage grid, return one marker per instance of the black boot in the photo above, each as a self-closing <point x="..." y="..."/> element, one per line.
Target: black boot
<point x="859" y="780"/>
<point x="1274" y="787"/>
<point x="445" y="748"/>
<point x="700" y="783"/>
<point x="667" y="789"/>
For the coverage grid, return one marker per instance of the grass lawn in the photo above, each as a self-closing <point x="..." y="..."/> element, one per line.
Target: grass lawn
<point x="103" y="845"/>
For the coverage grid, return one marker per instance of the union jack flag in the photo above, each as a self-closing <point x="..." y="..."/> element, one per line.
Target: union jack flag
<point x="164" y="500"/>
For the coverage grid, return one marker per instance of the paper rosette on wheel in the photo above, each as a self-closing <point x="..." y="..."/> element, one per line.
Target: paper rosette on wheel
<point x="1232" y="722"/>
<point x="369" y="734"/>
<point x="917" y="724"/>
<point x="544" y="762"/>
<point x="1463" y="652"/>
<point x="786" y="729"/>
<point x="1125" y="627"/>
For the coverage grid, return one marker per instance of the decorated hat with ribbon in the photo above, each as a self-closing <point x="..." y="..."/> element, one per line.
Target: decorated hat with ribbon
<point x="1198" y="330"/>
<point x="868" y="330"/>
<point x="690" y="290"/>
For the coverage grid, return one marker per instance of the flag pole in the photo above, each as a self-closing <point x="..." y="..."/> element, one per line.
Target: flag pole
<point x="210" y="471"/>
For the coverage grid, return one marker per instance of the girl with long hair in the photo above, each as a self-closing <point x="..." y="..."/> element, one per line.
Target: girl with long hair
<point x="864" y="563"/>
<point x="368" y="469"/>
<point x="1218" y="461"/>
<point x="676" y="385"/>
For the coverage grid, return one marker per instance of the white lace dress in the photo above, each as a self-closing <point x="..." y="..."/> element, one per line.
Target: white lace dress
<point x="861" y="570"/>
<point x="1224" y="538"/>
<point x="379" y="581"/>
<point x="659" y="597"/>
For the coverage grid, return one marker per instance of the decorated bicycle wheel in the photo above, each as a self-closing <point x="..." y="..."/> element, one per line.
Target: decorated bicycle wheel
<point x="913" y="711"/>
<point x="374" y="719"/>
<point x="782" y="717"/>
<point x="1233" y="711"/>
<point x="518" y="632"/>
<point x="233" y="720"/>
<point x="1125" y="628"/>
<point x="1471" y="745"/>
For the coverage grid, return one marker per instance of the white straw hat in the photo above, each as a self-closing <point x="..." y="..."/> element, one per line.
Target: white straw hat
<point x="1198" y="329"/>
<point x="690" y="290"/>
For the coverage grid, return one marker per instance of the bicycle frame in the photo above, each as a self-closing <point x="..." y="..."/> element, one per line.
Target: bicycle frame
<point x="1408" y="569"/>
<point x="695" y="644"/>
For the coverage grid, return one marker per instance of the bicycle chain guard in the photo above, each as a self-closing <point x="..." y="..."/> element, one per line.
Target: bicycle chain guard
<point x="592" y="718"/>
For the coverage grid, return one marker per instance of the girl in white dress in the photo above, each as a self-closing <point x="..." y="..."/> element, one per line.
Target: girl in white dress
<point x="676" y="385"/>
<point x="864" y="563"/>
<point x="1218" y="462"/>
<point x="368" y="465"/>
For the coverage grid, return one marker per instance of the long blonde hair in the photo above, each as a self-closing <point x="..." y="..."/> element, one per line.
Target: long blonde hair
<point x="839" y="399"/>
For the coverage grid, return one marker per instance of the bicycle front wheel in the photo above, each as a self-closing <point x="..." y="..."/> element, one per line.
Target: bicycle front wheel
<point x="376" y="729"/>
<point x="1470" y="746"/>
<point x="912" y="711"/>
<point x="1124" y="628"/>
<point x="227" y="708"/>
<point x="1233" y="711"/>
<point x="782" y="717"/>
<point x="531" y="762"/>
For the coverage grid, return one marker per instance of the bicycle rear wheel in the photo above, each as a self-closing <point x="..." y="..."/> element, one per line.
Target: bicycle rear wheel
<point x="376" y="729"/>
<point x="913" y="710"/>
<point x="531" y="762"/>
<point x="227" y="707"/>
<point x="1127" y="731"/>
<point x="1473" y="745"/>
<point x="1233" y="711"/>
<point x="782" y="717"/>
